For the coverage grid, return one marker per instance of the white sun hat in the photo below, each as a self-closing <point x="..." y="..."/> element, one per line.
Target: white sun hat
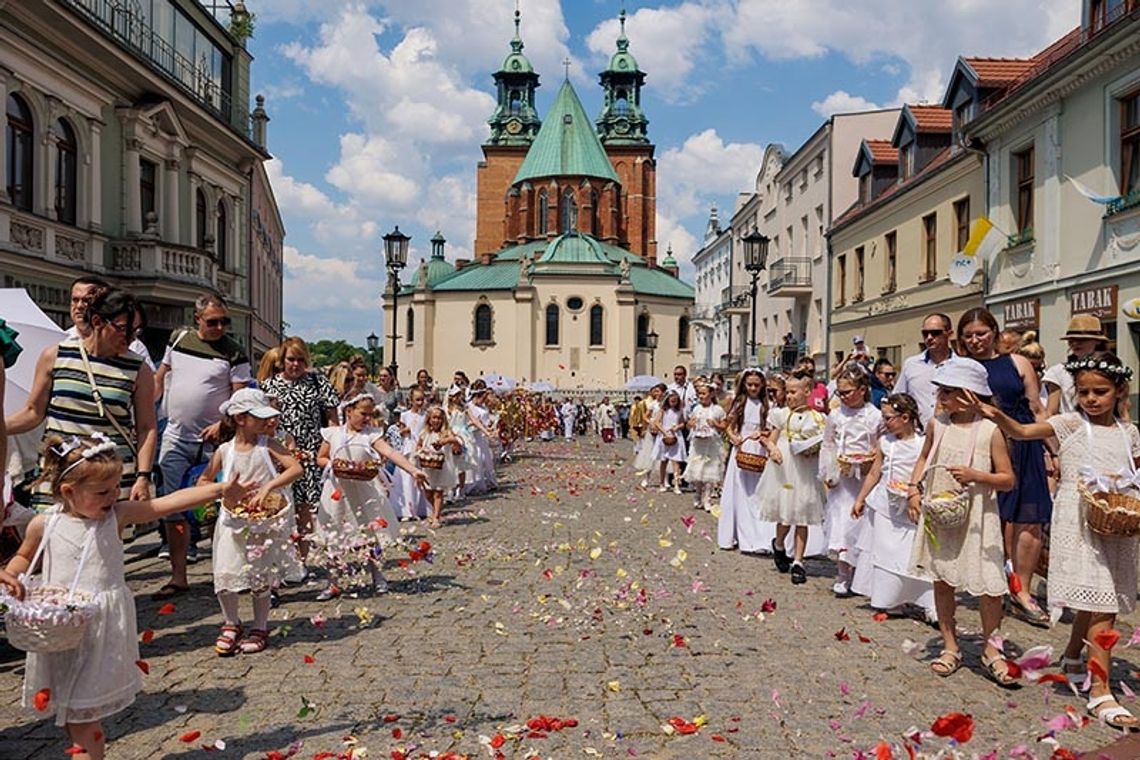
<point x="964" y="373"/>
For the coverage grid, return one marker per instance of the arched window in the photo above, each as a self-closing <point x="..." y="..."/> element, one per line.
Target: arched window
<point x="483" y="332"/>
<point x="66" y="168"/>
<point x="569" y="212"/>
<point x="552" y="325"/>
<point x="596" y="324"/>
<point x="683" y="334"/>
<point x="18" y="146"/>
<point x="200" y="219"/>
<point x="516" y="102"/>
<point x="411" y="331"/>
<point x="594" y="213"/>
<point x="543" y="211"/>
<point x="621" y="103"/>
<point x="221" y="245"/>
<point x="643" y="331"/>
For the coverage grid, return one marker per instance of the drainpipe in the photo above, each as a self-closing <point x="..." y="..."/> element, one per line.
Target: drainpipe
<point x="730" y="262"/>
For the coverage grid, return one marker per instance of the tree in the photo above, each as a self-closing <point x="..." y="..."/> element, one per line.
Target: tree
<point x="326" y="352"/>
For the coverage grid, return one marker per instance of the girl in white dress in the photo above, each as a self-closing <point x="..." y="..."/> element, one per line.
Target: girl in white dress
<point x="643" y="460"/>
<point x="460" y="425"/>
<point x="413" y="503"/>
<point x="436" y="449"/>
<point x="706" y="457"/>
<point x="78" y="540"/>
<point x="484" y="434"/>
<point x="789" y="492"/>
<point x="887" y="534"/>
<point x="251" y="556"/>
<point x="1092" y="574"/>
<point x="738" y="526"/>
<point x="848" y="440"/>
<point x="669" y="448"/>
<point x="356" y="520"/>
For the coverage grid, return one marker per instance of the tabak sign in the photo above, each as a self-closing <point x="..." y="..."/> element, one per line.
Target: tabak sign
<point x="1022" y="315"/>
<point x="1099" y="301"/>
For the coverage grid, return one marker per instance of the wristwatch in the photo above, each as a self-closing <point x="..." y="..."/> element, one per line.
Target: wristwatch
<point x="147" y="474"/>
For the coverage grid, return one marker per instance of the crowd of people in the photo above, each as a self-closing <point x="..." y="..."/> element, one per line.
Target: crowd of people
<point x="968" y="470"/>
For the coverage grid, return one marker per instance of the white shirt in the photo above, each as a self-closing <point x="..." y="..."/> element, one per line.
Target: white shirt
<point x="1059" y="376"/>
<point x="201" y="377"/>
<point x="687" y="393"/>
<point x="914" y="379"/>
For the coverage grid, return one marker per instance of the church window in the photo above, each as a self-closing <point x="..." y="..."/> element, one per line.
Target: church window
<point x="411" y="329"/>
<point x="483" y="332"/>
<point x="621" y="103"/>
<point x="643" y="331"/>
<point x="575" y="303"/>
<point x="594" y="213"/>
<point x="683" y="334"/>
<point x="596" y="315"/>
<point x="552" y="325"/>
<point x="569" y="212"/>
<point x="543" y="211"/>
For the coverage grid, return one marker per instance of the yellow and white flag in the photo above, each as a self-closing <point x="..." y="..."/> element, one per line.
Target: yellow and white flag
<point x="985" y="239"/>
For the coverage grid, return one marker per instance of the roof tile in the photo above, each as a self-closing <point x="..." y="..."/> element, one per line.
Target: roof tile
<point x="999" y="72"/>
<point x="882" y="152"/>
<point x="932" y="118"/>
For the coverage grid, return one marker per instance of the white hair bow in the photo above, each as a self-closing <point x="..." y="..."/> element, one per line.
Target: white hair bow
<point x="1118" y="482"/>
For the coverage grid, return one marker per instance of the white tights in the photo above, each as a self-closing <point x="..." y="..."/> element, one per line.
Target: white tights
<point x="261" y="604"/>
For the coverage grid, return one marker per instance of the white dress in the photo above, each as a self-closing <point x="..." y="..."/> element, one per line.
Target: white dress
<point x="738" y="524"/>
<point x="99" y="677"/>
<point x="706" y="454"/>
<point x="409" y="499"/>
<point x="790" y="493"/>
<point x="1088" y="571"/>
<point x="461" y="426"/>
<point x="569" y="414"/>
<point x="484" y="455"/>
<point x="849" y="431"/>
<point x="676" y="452"/>
<point x="248" y="559"/>
<point x="445" y="477"/>
<point x="360" y="508"/>
<point x="643" y="460"/>
<point x="886" y="538"/>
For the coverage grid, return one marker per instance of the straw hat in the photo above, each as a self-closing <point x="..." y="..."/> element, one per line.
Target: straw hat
<point x="1084" y="327"/>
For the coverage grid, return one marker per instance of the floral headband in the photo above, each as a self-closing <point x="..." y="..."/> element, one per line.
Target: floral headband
<point x="102" y="445"/>
<point x="1117" y="371"/>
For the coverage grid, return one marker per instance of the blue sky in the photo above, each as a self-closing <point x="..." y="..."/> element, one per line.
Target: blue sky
<point x="378" y="107"/>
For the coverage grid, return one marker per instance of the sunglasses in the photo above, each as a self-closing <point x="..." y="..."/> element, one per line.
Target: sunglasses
<point x="890" y="374"/>
<point x="932" y="333"/>
<point x="849" y="392"/>
<point x="122" y="327"/>
<point x="221" y="322"/>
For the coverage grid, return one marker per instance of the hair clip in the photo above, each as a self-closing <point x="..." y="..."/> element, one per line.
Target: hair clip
<point x="65" y="447"/>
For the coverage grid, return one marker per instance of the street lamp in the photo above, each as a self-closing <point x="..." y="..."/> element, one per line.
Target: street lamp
<point x="373" y="344"/>
<point x="625" y="369"/>
<point x="651" y="342"/>
<point x="395" y="258"/>
<point x="755" y="261"/>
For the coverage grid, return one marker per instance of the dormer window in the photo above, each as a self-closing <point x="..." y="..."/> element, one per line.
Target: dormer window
<point x="865" y="188"/>
<point x="963" y="114"/>
<point x="906" y="161"/>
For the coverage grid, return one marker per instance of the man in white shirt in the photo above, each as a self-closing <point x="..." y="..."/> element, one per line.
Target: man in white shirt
<point x="569" y="412"/>
<point x="915" y="376"/>
<point x="684" y="389"/>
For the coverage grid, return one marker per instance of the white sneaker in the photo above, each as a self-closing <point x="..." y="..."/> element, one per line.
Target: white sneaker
<point x="645" y="482"/>
<point x="677" y="490"/>
<point x="663" y="488"/>
<point x="841" y="588"/>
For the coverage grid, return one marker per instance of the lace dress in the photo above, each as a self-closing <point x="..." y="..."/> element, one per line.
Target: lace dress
<point x="968" y="557"/>
<point x="356" y="506"/>
<point x="850" y="431"/>
<point x="738" y="524"/>
<point x="1088" y="571"/>
<point x="443" y="478"/>
<point x="706" y="454"/>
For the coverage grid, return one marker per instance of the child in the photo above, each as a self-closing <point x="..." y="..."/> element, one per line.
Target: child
<point x="356" y="516"/>
<point x="98" y="678"/>
<point x="460" y="425"/>
<point x="848" y="440"/>
<point x="1090" y="573"/>
<point x="888" y="534"/>
<point x="247" y="559"/>
<point x="483" y="432"/>
<point x="706" y="460"/>
<point x="412" y="504"/>
<point x="777" y="392"/>
<point x="963" y="451"/>
<point x="737" y="526"/>
<point x="669" y="448"/>
<point x="437" y="444"/>
<point x="643" y="459"/>
<point x="789" y="490"/>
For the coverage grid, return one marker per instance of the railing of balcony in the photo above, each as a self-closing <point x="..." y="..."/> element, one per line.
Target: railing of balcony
<point x="793" y="272"/>
<point x="734" y="295"/>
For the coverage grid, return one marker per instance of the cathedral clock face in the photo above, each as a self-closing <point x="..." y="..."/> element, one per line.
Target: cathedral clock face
<point x="621" y="126"/>
<point x="514" y="126"/>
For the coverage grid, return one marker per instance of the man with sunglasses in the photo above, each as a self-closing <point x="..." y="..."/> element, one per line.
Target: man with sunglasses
<point x="917" y="371"/>
<point x="84" y="290"/>
<point x="200" y="370"/>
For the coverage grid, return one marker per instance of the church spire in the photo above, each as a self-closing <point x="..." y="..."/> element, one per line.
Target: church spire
<point x="515" y="121"/>
<point x="622" y="121"/>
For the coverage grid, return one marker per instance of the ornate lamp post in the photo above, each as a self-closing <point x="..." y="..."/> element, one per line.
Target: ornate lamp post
<point x="651" y="343"/>
<point x="755" y="261"/>
<point x="625" y="369"/>
<point x="373" y="344"/>
<point x="395" y="258"/>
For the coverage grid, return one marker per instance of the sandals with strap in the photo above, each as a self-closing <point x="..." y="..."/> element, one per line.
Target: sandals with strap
<point x="946" y="663"/>
<point x="1076" y="678"/>
<point x="1029" y="613"/>
<point x="997" y="670"/>
<point x="226" y="644"/>
<point x="255" y="642"/>
<point x="1115" y="716"/>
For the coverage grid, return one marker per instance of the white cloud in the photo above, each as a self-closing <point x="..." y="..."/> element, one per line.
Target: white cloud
<point x="307" y="274"/>
<point x="295" y="197"/>
<point x="377" y="171"/>
<point x="702" y="168"/>
<point x="841" y="101"/>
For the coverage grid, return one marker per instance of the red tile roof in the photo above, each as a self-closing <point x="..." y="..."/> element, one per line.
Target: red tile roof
<point x="932" y="118"/>
<point x="940" y="159"/>
<point x="882" y="152"/>
<point x="999" y="72"/>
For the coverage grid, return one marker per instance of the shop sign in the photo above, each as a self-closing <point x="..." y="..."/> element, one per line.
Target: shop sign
<point x="1099" y="301"/>
<point x="1022" y="315"/>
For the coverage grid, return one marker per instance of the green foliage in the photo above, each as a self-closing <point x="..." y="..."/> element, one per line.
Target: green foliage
<point x="326" y="352"/>
<point x="242" y="25"/>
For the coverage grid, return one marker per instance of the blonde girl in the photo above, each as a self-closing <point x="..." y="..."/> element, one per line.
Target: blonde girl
<point x="460" y="424"/>
<point x="246" y="559"/>
<point x="439" y="445"/>
<point x="738" y="526"/>
<point x="669" y="448"/>
<point x="643" y="460"/>
<point x="777" y="392"/>
<point x="1091" y="574"/>
<point x="963" y="454"/>
<point x="78" y="539"/>
<point x="410" y="501"/>
<point x="706" y="456"/>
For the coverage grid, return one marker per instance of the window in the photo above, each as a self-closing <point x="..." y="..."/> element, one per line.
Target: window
<point x="1098" y="14"/>
<point x="1130" y="143"/>
<point x="1023" y="164"/>
<point x="683" y="334"/>
<point x="552" y="325"/>
<point x="596" y="324"/>
<point x="200" y="219"/>
<point x="483" y="323"/>
<point x="18" y="145"/>
<point x="930" y="246"/>
<point x="906" y="161"/>
<point x="842" y="278"/>
<point x="221" y="244"/>
<point x="147" y="172"/>
<point x="66" y="168"/>
<point x="892" y="262"/>
<point x="962" y="116"/>
<point x="643" y="331"/>
<point x="962" y="221"/>
<point x="575" y="303"/>
<point x="411" y="325"/>
<point x="543" y="212"/>
<point x="594" y="226"/>
<point x="568" y="212"/>
<point x="860" y="273"/>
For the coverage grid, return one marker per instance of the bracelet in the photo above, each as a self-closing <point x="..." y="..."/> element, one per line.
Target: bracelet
<point x="145" y="474"/>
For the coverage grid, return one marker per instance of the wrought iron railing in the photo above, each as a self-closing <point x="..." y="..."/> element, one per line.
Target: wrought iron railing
<point x="792" y="272"/>
<point x="735" y="295"/>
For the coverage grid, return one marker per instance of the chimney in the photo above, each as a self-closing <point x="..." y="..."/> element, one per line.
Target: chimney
<point x="486" y="257"/>
<point x="460" y="263"/>
<point x="260" y="119"/>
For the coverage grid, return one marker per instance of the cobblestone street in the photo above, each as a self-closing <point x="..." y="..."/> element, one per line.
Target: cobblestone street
<point x="572" y="594"/>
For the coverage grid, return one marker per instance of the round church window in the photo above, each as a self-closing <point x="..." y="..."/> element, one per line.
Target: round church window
<point x="574" y="303"/>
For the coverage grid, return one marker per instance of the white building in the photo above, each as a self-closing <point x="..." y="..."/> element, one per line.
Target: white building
<point x="712" y="339"/>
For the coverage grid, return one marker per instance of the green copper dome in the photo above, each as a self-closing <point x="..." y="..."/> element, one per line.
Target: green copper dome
<point x="516" y="62"/>
<point x="623" y="61"/>
<point x="567" y="144"/>
<point x="573" y="248"/>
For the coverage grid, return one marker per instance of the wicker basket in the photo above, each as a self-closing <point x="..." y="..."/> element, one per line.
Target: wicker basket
<point x="430" y="460"/>
<point x="848" y="462"/>
<point x="347" y="469"/>
<point x="47" y="619"/>
<point x="264" y="518"/>
<point x="947" y="509"/>
<point x="810" y="450"/>
<point x="669" y="439"/>
<point x="898" y="495"/>
<point x="1110" y="514"/>
<point x="749" y="462"/>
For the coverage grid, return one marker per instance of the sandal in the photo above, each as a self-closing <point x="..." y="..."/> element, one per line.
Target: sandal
<point x="169" y="591"/>
<point x="1076" y="678"/>
<point x="1029" y="613"/>
<point x="780" y="557"/>
<point x="255" y="642"/>
<point x="947" y="663"/>
<point x="227" y="642"/>
<point x="997" y="670"/>
<point x="1114" y="717"/>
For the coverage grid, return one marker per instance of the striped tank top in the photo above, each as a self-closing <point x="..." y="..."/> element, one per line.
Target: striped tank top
<point x="72" y="409"/>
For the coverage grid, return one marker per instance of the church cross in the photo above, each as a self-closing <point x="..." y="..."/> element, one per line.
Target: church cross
<point x="566" y="64"/>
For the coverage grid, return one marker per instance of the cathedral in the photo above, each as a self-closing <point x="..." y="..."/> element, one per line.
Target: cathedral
<point x="566" y="286"/>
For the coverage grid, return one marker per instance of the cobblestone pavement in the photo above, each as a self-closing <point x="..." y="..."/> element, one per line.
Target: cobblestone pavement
<point x="569" y="593"/>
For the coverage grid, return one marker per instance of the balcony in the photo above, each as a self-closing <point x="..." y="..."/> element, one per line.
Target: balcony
<point x="1123" y="203"/>
<point x="168" y="263"/>
<point x="735" y="299"/>
<point x="790" y="277"/>
<point x="47" y="239"/>
<point x="703" y="314"/>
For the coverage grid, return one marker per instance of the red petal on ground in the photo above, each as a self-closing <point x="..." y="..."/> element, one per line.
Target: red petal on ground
<point x="842" y="635"/>
<point x="1106" y="640"/>
<point x="41" y="700"/>
<point x="309" y="659"/>
<point x="879" y="617"/>
<point x="883" y="751"/>
<point x="168" y="608"/>
<point x="144" y="666"/>
<point x="956" y="725"/>
<point x="449" y="718"/>
<point x="189" y="736"/>
<point x="391" y="718"/>
<point x="863" y="639"/>
<point x="1052" y="678"/>
<point x="497" y="741"/>
<point x="718" y="738"/>
<point x="397" y="733"/>
<point x="147" y="636"/>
